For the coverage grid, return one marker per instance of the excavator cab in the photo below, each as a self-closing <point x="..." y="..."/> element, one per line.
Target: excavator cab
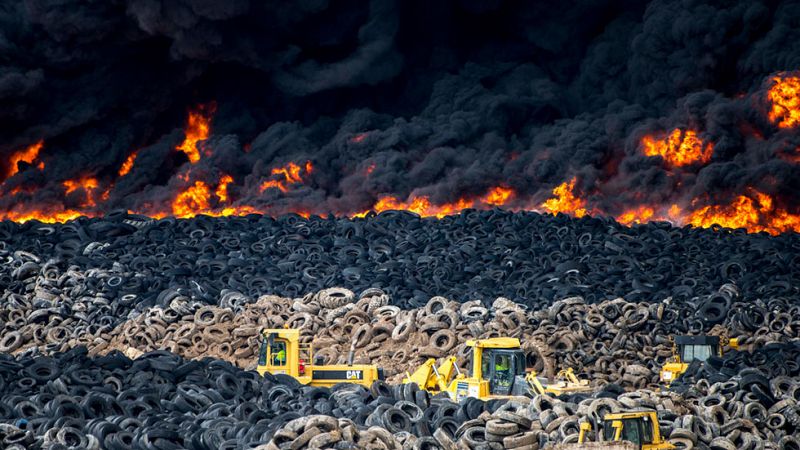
<point x="687" y="349"/>
<point x="639" y="428"/>
<point x="504" y="369"/>
<point x="497" y="370"/>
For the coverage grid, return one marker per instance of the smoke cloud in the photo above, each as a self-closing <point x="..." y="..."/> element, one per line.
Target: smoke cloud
<point x="400" y="98"/>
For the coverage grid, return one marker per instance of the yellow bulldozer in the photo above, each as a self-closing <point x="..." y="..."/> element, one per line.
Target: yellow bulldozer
<point x="282" y="353"/>
<point x="635" y="430"/>
<point x="498" y="370"/>
<point x="687" y="349"/>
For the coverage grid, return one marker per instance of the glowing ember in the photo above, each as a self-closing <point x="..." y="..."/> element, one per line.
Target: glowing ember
<point x="287" y="175"/>
<point x="88" y="184"/>
<point x="680" y="148"/>
<point x="754" y="212"/>
<point x="358" y="138"/>
<point x="222" y="188"/>
<point x="371" y="168"/>
<point x="784" y="94"/>
<point x="127" y="165"/>
<point x="565" y="201"/>
<point x="27" y="155"/>
<point x="198" y="127"/>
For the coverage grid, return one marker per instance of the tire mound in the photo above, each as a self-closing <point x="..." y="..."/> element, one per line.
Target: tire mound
<point x="73" y="401"/>
<point x="529" y="258"/>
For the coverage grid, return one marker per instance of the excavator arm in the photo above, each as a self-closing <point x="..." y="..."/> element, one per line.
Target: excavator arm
<point x="427" y="376"/>
<point x="534" y="383"/>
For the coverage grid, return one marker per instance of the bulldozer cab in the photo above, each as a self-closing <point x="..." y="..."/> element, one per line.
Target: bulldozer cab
<point x="501" y="367"/>
<point x="639" y="428"/>
<point x="280" y="352"/>
<point x="696" y="348"/>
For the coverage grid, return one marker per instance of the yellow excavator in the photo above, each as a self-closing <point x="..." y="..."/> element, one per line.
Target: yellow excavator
<point x="687" y="349"/>
<point x="282" y="353"/>
<point x="625" y="430"/>
<point x="497" y="371"/>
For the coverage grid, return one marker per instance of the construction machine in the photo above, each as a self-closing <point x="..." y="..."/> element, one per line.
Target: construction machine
<point x="497" y="370"/>
<point x="626" y="430"/>
<point x="282" y="353"/>
<point x="687" y="349"/>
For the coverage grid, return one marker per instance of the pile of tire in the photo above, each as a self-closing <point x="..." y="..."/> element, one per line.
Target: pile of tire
<point x="530" y="258"/>
<point x="614" y="341"/>
<point x="159" y="400"/>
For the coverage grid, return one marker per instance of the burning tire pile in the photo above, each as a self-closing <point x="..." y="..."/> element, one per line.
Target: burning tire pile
<point x="125" y="332"/>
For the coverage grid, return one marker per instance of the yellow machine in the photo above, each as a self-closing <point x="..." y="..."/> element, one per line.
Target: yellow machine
<point x="687" y="349"/>
<point x="640" y="428"/>
<point x="282" y="353"/>
<point x="497" y="371"/>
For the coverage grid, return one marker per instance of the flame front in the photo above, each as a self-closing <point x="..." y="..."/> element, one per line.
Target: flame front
<point x="680" y="148"/>
<point x="565" y="201"/>
<point x="784" y="95"/>
<point x="198" y="128"/>
<point x="28" y="155"/>
<point x="286" y="175"/>
<point x="421" y="204"/>
<point x="127" y="165"/>
<point x="754" y="212"/>
<point x="641" y="214"/>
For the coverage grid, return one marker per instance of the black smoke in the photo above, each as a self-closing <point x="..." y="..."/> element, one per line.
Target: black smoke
<point x="445" y="98"/>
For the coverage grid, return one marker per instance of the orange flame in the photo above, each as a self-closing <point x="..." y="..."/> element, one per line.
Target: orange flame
<point x="421" y="204"/>
<point x="290" y="174"/>
<point x="192" y="201"/>
<point x="28" y="155"/>
<point x="498" y="196"/>
<point x="222" y="188"/>
<point x="784" y="94"/>
<point x="644" y="214"/>
<point x="198" y="127"/>
<point x="637" y="215"/>
<point x="565" y="201"/>
<point x="89" y="184"/>
<point x="680" y="148"/>
<point x="127" y="165"/>
<point x="754" y="212"/>
<point x="42" y="216"/>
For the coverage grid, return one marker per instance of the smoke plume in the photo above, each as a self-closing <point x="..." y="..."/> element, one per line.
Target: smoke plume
<point x="667" y="110"/>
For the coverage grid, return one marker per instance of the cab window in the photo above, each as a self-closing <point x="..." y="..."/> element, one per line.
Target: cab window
<point x="631" y="431"/>
<point x="262" y="352"/>
<point x="519" y="363"/>
<point x="647" y="431"/>
<point x="278" y="352"/>
<point x="696" y="352"/>
<point x="486" y="364"/>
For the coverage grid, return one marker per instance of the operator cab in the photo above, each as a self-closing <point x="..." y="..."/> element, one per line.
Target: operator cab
<point x="637" y="427"/>
<point x="504" y="368"/>
<point x="636" y="431"/>
<point x="696" y="348"/>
